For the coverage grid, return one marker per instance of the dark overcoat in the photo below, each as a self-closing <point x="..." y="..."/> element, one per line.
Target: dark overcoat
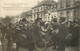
<point x="63" y="31"/>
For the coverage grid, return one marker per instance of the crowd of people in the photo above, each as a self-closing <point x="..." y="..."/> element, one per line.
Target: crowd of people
<point x="58" y="34"/>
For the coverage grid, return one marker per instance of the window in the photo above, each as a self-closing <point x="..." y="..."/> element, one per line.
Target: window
<point x="61" y="3"/>
<point x="49" y="13"/>
<point x="52" y="17"/>
<point x="34" y="15"/>
<point x="33" y="10"/>
<point x="55" y="16"/>
<point x="61" y="14"/>
<point x="68" y="3"/>
<point x="41" y="8"/>
<point x="68" y="15"/>
<point x="75" y="15"/>
<point x="46" y="7"/>
<point x="37" y="9"/>
<point x="55" y="5"/>
<point x="52" y="7"/>
<point x="48" y="17"/>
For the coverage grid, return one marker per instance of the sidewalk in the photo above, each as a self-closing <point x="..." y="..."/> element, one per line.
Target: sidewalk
<point x="50" y="49"/>
<point x="47" y="49"/>
<point x="71" y="49"/>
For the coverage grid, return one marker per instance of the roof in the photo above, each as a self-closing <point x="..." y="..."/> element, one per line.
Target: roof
<point x="45" y="2"/>
<point x="27" y="13"/>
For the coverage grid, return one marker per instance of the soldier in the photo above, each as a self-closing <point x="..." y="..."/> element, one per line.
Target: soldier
<point x="63" y="31"/>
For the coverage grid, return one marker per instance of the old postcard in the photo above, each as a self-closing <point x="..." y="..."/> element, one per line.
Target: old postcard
<point x="39" y="25"/>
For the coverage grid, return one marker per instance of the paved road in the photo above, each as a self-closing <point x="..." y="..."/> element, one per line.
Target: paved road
<point x="50" y="49"/>
<point x="71" y="49"/>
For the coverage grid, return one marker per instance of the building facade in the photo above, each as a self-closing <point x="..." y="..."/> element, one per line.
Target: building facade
<point x="67" y="9"/>
<point x="45" y="10"/>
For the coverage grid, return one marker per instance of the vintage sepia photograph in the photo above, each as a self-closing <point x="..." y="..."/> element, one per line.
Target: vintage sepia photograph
<point x="39" y="25"/>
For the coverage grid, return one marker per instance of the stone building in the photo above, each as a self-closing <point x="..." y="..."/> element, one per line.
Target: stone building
<point x="77" y="4"/>
<point x="67" y="9"/>
<point x="45" y="10"/>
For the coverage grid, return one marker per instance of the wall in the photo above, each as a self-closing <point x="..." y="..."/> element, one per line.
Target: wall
<point x="66" y="11"/>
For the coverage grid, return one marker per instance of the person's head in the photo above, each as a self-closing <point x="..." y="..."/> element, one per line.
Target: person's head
<point x="62" y="19"/>
<point x="75" y="21"/>
<point x="23" y="20"/>
<point x="69" y="22"/>
<point x="55" y="19"/>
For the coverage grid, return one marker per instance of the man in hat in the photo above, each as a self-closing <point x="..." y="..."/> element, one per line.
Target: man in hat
<point x="75" y="35"/>
<point x="54" y="32"/>
<point x="63" y="31"/>
<point x="70" y="30"/>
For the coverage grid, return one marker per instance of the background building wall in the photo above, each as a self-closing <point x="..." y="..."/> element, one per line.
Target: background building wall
<point x="43" y="8"/>
<point x="66" y="9"/>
